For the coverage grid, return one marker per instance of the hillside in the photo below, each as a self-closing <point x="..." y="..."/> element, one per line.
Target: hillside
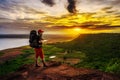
<point x="102" y="51"/>
<point x="18" y="64"/>
<point x="95" y="41"/>
<point x="88" y="57"/>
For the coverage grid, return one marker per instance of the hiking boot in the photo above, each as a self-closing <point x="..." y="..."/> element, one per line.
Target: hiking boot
<point x="37" y="65"/>
<point x="45" y="65"/>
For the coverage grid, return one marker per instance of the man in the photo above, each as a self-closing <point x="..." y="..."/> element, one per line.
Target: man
<point x="36" y="43"/>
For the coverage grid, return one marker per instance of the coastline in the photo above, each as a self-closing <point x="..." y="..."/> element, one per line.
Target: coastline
<point x="12" y="43"/>
<point x="12" y="48"/>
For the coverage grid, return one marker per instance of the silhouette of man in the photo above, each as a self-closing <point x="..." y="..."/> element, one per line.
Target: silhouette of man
<point x="39" y="51"/>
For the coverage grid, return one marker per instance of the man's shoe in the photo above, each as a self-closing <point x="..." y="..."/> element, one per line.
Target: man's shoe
<point x="37" y="65"/>
<point x="45" y="65"/>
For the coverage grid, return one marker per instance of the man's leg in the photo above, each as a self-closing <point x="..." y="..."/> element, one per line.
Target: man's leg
<point x="36" y="57"/>
<point x="42" y="57"/>
<point x="36" y="62"/>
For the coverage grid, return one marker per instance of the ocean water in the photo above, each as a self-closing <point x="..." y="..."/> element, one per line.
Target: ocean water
<point x="7" y="43"/>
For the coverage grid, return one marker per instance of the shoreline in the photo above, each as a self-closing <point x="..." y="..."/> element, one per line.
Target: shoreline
<point x="12" y="43"/>
<point x="14" y="48"/>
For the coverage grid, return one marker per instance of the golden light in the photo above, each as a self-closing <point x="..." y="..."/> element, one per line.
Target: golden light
<point x="77" y="29"/>
<point x="72" y="32"/>
<point x="80" y="19"/>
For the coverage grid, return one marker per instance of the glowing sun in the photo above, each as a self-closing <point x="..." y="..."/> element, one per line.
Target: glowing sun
<point x="77" y="29"/>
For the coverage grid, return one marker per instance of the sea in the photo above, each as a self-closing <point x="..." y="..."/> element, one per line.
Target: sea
<point x="6" y="43"/>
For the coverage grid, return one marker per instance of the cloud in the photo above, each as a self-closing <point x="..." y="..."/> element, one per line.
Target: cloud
<point x="9" y="4"/>
<point x="104" y="27"/>
<point x="28" y="10"/>
<point x="20" y="9"/>
<point x="85" y="20"/>
<point x="97" y="25"/>
<point x="115" y="2"/>
<point x="95" y="5"/>
<point x="12" y="9"/>
<point x="48" y="2"/>
<point x="107" y="8"/>
<point x="35" y="9"/>
<point x="105" y="1"/>
<point x="71" y="6"/>
<point x="92" y="25"/>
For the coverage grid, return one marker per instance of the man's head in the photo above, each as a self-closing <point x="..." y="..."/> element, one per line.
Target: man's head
<point x="40" y="31"/>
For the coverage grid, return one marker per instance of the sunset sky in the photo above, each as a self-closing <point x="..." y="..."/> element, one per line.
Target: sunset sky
<point x="70" y="17"/>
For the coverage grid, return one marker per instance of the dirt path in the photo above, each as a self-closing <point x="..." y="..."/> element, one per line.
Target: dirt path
<point x="57" y="71"/>
<point x="10" y="53"/>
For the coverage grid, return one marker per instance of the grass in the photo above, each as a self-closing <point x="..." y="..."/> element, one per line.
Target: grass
<point x="51" y="50"/>
<point x="94" y="51"/>
<point x="102" y="51"/>
<point x="27" y="57"/>
<point x="13" y="64"/>
<point x="75" y="54"/>
<point x="1" y="53"/>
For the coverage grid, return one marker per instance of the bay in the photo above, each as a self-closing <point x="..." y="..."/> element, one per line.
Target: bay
<point x="6" y="43"/>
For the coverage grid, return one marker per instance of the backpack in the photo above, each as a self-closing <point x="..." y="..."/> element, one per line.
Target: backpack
<point x="33" y="39"/>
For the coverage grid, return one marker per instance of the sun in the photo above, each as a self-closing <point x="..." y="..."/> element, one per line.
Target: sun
<point x="77" y="29"/>
<point x="73" y="32"/>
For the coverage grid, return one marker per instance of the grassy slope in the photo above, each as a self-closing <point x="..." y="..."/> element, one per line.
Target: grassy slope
<point x="27" y="57"/>
<point x="102" y="51"/>
<point x="97" y="51"/>
<point x="15" y="63"/>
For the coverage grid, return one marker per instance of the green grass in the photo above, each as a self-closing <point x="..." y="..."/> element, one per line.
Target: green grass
<point x="50" y="50"/>
<point x="102" y="51"/>
<point x="113" y="66"/>
<point x="75" y="54"/>
<point x="1" y="53"/>
<point x="27" y="57"/>
<point x="13" y="64"/>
